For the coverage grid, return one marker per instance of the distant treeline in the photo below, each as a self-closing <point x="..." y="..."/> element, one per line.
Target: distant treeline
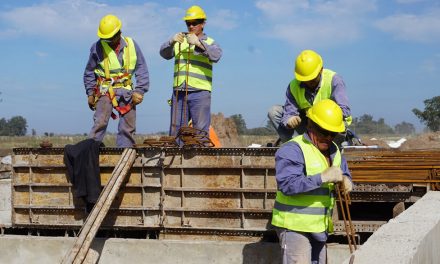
<point x="360" y="125"/>
<point x="16" y="126"/>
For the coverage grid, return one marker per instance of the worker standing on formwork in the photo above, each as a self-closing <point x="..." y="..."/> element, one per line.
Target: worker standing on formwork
<point x="312" y="83"/>
<point x="108" y="81"/>
<point x="194" y="54"/>
<point x="307" y="167"/>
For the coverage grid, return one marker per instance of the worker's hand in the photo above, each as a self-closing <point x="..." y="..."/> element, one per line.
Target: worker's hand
<point x="293" y="121"/>
<point x="178" y="37"/>
<point x="347" y="185"/>
<point x="194" y="40"/>
<point x="91" y="102"/>
<point x="332" y="174"/>
<point x="137" y="98"/>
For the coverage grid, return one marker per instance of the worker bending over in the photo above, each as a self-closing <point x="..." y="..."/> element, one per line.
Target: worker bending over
<point x="312" y="83"/>
<point x="108" y="81"/>
<point x="194" y="54"/>
<point x="307" y="168"/>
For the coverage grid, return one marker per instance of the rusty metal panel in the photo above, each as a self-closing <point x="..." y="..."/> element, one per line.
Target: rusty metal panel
<point x="227" y="191"/>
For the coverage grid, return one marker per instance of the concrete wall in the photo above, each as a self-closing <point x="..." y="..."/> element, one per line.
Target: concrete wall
<point x="25" y="249"/>
<point x="5" y="202"/>
<point x="412" y="237"/>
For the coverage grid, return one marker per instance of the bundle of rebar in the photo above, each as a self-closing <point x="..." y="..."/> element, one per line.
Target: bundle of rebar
<point x="394" y="166"/>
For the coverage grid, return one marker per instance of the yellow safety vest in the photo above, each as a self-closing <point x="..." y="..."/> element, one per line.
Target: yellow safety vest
<point x="111" y="73"/>
<point x="310" y="211"/>
<point x="199" y="67"/>
<point x="324" y="92"/>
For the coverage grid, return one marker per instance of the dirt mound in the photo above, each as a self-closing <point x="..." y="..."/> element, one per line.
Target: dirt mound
<point x="423" y="141"/>
<point x="226" y="130"/>
<point x="374" y="142"/>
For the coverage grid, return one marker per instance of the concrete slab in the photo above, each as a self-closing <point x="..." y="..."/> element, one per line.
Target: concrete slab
<point x="26" y="249"/>
<point x="412" y="237"/>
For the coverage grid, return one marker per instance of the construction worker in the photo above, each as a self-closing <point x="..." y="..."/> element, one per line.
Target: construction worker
<point x="312" y="83"/>
<point x="194" y="54"/>
<point x="108" y="81"/>
<point x="307" y="167"/>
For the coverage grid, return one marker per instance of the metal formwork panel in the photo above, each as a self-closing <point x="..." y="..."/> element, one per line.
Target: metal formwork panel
<point x="188" y="191"/>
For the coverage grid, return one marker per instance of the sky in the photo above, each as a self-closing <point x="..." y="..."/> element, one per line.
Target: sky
<point x="387" y="52"/>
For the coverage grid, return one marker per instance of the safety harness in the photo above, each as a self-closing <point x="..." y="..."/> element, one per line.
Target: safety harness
<point x="116" y="79"/>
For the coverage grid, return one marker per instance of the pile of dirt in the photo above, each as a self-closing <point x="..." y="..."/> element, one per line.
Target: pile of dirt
<point x="423" y="141"/>
<point x="375" y="142"/>
<point x="226" y="130"/>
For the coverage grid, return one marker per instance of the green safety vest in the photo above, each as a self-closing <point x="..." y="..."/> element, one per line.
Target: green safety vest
<point x="324" y="92"/>
<point x="310" y="211"/>
<point x="199" y="67"/>
<point x="110" y="68"/>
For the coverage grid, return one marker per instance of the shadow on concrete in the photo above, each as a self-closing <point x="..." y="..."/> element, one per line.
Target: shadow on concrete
<point x="266" y="251"/>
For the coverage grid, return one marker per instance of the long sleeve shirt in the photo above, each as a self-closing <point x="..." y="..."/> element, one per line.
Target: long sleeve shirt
<point x="338" y="95"/>
<point x="213" y="52"/>
<point x="291" y="173"/>
<point x="97" y="55"/>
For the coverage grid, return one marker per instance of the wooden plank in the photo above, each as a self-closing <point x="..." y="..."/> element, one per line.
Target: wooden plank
<point x="79" y="250"/>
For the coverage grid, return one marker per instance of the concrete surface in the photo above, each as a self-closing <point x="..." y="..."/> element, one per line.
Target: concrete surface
<point x="5" y="203"/>
<point x="412" y="237"/>
<point x="26" y="249"/>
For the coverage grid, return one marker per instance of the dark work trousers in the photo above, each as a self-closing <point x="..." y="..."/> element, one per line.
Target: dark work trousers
<point x="82" y="162"/>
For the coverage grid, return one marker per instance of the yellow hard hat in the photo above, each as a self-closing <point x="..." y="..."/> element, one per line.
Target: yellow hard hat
<point x="194" y="12"/>
<point x="109" y="26"/>
<point x="308" y="64"/>
<point x="328" y="115"/>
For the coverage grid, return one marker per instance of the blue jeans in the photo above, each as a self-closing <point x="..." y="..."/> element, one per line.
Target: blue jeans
<point x="285" y="134"/>
<point x="126" y="125"/>
<point x="197" y="109"/>
<point x="299" y="247"/>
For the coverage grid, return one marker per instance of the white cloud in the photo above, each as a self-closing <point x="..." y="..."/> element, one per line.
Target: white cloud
<point x="408" y="1"/>
<point x="308" y="23"/>
<point x="279" y="9"/>
<point x="41" y="54"/>
<point x="78" y="21"/>
<point x="423" y="28"/>
<point x="223" y="19"/>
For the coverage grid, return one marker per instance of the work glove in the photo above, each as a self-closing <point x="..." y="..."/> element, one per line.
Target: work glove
<point x="91" y="102"/>
<point x="332" y="174"/>
<point x="178" y="37"/>
<point x="293" y="121"/>
<point x="347" y="185"/>
<point x="194" y="40"/>
<point x="137" y="98"/>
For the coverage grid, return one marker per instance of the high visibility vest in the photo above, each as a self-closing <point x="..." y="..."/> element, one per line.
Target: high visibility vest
<point x="324" y="92"/>
<point x="199" y="67"/>
<point x="310" y="211"/>
<point x="111" y="73"/>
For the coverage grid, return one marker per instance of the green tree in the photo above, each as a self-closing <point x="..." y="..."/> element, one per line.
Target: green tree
<point x="431" y="115"/>
<point x="16" y="126"/>
<point x="366" y="125"/>
<point x="240" y="124"/>
<point x="404" y="128"/>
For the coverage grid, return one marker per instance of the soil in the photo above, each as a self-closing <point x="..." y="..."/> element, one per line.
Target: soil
<point x="419" y="141"/>
<point x="226" y="130"/>
<point x="423" y="141"/>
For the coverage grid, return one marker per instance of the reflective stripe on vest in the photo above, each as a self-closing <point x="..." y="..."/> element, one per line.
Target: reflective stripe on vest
<point x="310" y="211"/>
<point x="199" y="68"/>
<point x="110" y="68"/>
